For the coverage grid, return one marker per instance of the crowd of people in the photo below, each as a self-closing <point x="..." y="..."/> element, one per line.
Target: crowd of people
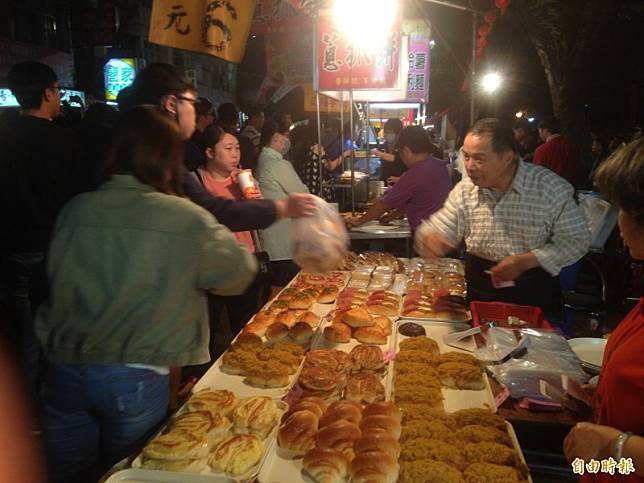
<point x="126" y="239"/>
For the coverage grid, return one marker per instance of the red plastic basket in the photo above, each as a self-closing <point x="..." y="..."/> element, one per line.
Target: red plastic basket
<point x="500" y="311"/>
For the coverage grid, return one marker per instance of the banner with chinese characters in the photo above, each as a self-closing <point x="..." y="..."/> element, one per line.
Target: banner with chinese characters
<point x="418" y="32"/>
<point x="215" y="27"/>
<point x="281" y="16"/>
<point x="345" y="64"/>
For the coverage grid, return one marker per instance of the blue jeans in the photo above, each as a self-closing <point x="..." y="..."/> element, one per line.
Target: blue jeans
<point x="94" y="415"/>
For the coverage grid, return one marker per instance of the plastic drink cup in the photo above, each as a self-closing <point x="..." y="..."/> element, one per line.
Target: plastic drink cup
<point x="247" y="184"/>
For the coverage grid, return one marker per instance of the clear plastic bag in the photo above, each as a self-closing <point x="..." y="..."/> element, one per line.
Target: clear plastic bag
<point x="319" y="241"/>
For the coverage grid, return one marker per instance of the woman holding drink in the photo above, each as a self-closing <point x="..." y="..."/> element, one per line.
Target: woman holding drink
<point x="221" y="177"/>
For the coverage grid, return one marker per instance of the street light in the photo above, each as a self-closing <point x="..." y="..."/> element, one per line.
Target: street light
<point x="519" y="114"/>
<point x="491" y="82"/>
<point x="379" y="15"/>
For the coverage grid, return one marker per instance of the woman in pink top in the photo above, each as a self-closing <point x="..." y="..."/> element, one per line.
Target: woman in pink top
<point x="222" y="156"/>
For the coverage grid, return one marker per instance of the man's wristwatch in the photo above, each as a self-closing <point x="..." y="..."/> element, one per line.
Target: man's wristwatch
<point x="618" y="446"/>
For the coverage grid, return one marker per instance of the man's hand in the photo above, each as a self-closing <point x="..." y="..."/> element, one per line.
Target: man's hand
<point x="434" y="245"/>
<point x="589" y="441"/>
<point x="297" y="205"/>
<point x="392" y="180"/>
<point x="512" y="267"/>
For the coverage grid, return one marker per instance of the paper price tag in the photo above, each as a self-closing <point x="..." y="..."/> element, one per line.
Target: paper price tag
<point x="498" y="283"/>
<point x="388" y="355"/>
<point x="293" y="396"/>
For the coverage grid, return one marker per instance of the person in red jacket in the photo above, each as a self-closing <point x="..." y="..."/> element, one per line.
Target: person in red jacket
<point x="557" y="153"/>
<point x="616" y="433"/>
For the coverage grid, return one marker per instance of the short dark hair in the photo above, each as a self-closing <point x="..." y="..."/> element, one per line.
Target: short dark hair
<point x="552" y="124"/>
<point x="147" y="145"/>
<point x="501" y="135"/>
<point x="394" y="125"/>
<point x="621" y="179"/>
<point x="156" y="81"/>
<point x="272" y="126"/>
<point x="203" y="107"/>
<point x="213" y="134"/>
<point x="416" y="139"/>
<point x="228" y="113"/>
<point x="28" y="82"/>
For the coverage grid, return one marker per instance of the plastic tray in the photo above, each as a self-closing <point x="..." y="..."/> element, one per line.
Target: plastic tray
<point x="135" y="475"/>
<point x="453" y="399"/>
<point x="500" y="311"/>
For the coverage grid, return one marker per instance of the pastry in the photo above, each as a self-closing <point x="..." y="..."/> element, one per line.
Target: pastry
<point x="328" y="295"/>
<point x="255" y="328"/>
<point x="237" y="361"/>
<point x="491" y="473"/>
<point x="203" y="424"/>
<point x="326" y="465"/>
<point x="267" y="374"/>
<point x="374" y="466"/>
<point x="340" y="435"/>
<point x="428" y="471"/>
<point x="370" y="335"/>
<point x="184" y="466"/>
<point x="264" y="318"/>
<point x="457" y="375"/>
<point x="483" y="417"/>
<point x="386" y="422"/>
<point x="301" y="332"/>
<point x="383" y="323"/>
<point x="377" y="439"/>
<point x="237" y="455"/>
<point x="342" y="410"/>
<point x="247" y="340"/>
<point x="458" y="357"/>
<point x="475" y="433"/>
<point x="301" y="300"/>
<point x="256" y="415"/>
<point x="364" y="387"/>
<point x="176" y="445"/>
<point x="290" y="347"/>
<point x="277" y="332"/>
<point x="417" y="356"/>
<point x="433" y="449"/>
<point x="333" y="359"/>
<point x="321" y="379"/>
<point x="287" y="294"/>
<point x="410" y="329"/>
<point x="382" y="308"/>
<point x="417" y="368"/>
<point x="384" y="408"/>
<point x="367" y="358"/>
<point x="309" y="317"/>
<point x="357" y="317"/>
<point x="314" y="404"/>
<point x="287" y="317"/>
<point x="215" y="401"/>
<point x="298" y="431"/>
<point x="338" y="332"/>
<point x="427" y="430"/>
<point x="487" y="452"/>
<point x="419" y="343"/>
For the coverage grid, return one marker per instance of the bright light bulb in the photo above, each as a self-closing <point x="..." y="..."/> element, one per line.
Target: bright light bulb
<point x="519" y="114"/>
<point x="378" y="15"/>
<point x="531" y="119"/>
<point x="491" y="82"/>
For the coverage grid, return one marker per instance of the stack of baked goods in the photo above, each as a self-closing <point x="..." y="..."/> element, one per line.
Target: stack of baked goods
<point x="214" y="432"/>
<point x="381" y="302"/>
<point x="371" y="259"/>
<point x="360" y="277"/>
<point x="364" y="384"/>
<point x="325" y="373"/>
<point x="335" y="278"/>
<point x="355" y="321"/>
<point x="284" y="319"/>
<point x="382" y="278"/>
<point x="434" y="303"/>
<point x="352" y="443"/>
<point x="260" y="365"/>
<point x="471" y="446"/>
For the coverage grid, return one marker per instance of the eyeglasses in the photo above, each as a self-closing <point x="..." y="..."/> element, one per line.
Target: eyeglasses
<point x="60" y="90"/>
<point x="191" y="100"/>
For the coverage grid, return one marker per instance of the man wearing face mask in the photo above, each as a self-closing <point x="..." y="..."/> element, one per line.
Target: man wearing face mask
<point x="277" y="179"/>
<point x="392" y="167"/>
<point x="164" y="86"/>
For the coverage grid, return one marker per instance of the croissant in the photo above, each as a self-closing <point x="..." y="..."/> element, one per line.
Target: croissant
<point x="370" y="335"/>
<point x="340" y="435"/>
<point x="377" y="440"/>
<point x="314" y="404"/>
<point x="342" y="410"/>
<point x="326" y="465"/>
<point x="298" y="431"/>
<point x="384" y="408"/>
<point x="387" y="423"/>
<point x="374" y="467"/>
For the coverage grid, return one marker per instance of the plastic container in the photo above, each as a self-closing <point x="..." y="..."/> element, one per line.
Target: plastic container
<point x="500" y="311"/>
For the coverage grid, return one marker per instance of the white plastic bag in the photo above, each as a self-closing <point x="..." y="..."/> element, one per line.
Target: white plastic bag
<point x="319" y="241"/>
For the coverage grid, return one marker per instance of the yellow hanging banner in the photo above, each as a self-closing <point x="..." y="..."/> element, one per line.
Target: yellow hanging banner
<point x="214" y="27"/>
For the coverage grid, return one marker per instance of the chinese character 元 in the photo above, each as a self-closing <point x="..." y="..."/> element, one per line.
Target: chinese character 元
<point x="175" y="17"/>
<point x="593" y="466"/>
<point x="331" y="62"/>
<point x="210" y="20"/>
<point x="578" y="467"/>
<point x="625" y="466"/>
<point x="608" y="466"/>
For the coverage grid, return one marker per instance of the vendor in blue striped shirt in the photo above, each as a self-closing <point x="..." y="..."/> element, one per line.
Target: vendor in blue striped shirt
<point x="520" y="223"/>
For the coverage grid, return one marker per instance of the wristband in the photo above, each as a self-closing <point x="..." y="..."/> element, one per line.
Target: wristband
<point x="618" y="446"/>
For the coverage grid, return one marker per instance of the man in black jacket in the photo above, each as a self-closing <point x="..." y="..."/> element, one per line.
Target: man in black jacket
<point x="40" y="169"/>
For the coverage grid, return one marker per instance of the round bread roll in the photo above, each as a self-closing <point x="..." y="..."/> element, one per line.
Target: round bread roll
<point x="367" y="357"/>
<point x="309" y="317"/>
<point x="378" y="440"/>
<point x="287" y="317"/>
<point x="298" y="432"/>
<point x="314" y="404"/>
<point x="277" y="332"/>
<point x="384" y="408"/>
<point x="342" y="410"/>
<point x="301" y="301"/>
<point x="326" y="465"/>
<point x="373" y="466"/>
<point x="357" y="317"/>
<point x="301" y="332"/>
<point x="370" y="335"/>
<point x="383" y="323"/>
<point x="386" y="422"/>
<point x="320" y="379"/>
<point x="364" y="387"/>
<point x="340" y="435"/>
<point x="255" y="329"/>
<point x="265" y="318"/>
<point x="328" y="295"/>
<point x="338" y="332"/>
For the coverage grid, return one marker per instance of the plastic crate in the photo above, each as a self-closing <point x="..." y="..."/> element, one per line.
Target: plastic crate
<point x="500" y="311"/>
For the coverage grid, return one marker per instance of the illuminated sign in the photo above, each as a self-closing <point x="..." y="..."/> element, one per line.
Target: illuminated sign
<point x="118" y="74"/>
<point x="7" y="99"/>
